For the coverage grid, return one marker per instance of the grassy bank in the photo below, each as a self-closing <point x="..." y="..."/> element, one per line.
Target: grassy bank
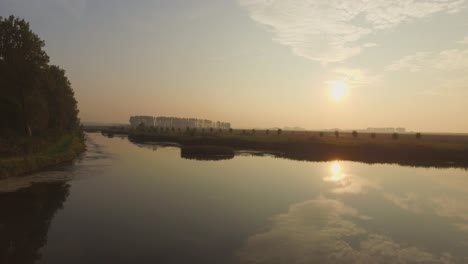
<point x="405" y="149"/>
<point x="65" y="148"/>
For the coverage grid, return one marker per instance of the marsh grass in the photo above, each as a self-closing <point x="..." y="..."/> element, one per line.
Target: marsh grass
<point x="64" y="149"/>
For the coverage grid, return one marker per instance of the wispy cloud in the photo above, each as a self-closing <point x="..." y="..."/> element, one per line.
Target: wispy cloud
<point x="463" y="41"/>
<point x="446" y="60"/>
<point x="323" y="231"/>
<point x="357" y="77"/>
<point x="331" y="31"/>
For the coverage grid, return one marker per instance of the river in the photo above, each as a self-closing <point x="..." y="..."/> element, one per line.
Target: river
<point x="122" y="202"/>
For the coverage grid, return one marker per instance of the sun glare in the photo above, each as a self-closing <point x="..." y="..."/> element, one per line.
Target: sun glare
<point x="337" y="174"/>
<point x="337" y="89"/>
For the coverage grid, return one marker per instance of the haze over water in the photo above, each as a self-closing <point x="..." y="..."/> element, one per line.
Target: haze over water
<point x="128" y="203"/>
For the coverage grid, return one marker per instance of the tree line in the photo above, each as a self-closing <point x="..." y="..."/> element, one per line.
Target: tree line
<point x="35" y="97"/>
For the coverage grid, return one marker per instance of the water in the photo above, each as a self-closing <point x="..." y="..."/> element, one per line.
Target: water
<point x="127" y="203"/>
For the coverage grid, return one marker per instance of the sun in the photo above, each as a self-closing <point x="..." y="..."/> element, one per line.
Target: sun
<point x="337" y="89"/>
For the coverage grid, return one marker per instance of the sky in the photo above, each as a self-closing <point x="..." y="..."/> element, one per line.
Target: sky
<point x="316" y="64"/>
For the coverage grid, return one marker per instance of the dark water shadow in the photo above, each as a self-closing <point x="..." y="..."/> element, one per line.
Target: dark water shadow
<point x="25" y="220"/>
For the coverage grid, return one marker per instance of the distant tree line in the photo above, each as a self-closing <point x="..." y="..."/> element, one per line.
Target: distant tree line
<point x="35" y="97"/>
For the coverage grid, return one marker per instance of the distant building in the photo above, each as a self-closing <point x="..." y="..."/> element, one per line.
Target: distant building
<point x="176" y="122"/>
<point x="400" y="130"/>
<point x="386" y="129"/>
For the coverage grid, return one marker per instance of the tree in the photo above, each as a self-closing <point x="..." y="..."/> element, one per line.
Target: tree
<point x="337" y="134"/>
<point x="267" y="131"/>
<point x="61" y="101"/>
<point x="253" y="131"/>
<point x="23" y="63"/>
<point x="279" y="131"/>
<point x="418" y="135"/>
<point x="34" y="96"/>
<point x="230" y="130"/>
<point x="355" y="134"/>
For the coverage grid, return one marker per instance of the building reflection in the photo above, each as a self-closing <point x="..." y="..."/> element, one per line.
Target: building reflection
<point x="25" y="220"/>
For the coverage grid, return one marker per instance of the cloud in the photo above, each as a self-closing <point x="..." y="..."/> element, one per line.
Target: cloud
<point x="330" y="31"/>
<point x="370" y="45"/>
<point x="446" y="60"/>
<point x="463" y="41"/>
<point x="321" y="231"/>
<point x="410" y="202"/>
<point x="356" y="77"/>
<point x="446" y="207"/>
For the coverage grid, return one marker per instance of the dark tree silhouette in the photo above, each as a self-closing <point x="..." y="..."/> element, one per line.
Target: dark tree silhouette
<point x="337" y="134"/>
<point x="230" y="130"/>
<point x="267" y="131"/>
<point x="279" y="131"/>
<point x="34" y="96"/>
<point x="355" y="134"/>
<point x="253" y="131"/>
<point x="418" y="135"/>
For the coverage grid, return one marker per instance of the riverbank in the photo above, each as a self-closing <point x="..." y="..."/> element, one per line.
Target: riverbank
<point x="403" y="149"/>
<point x="64" y="149"/>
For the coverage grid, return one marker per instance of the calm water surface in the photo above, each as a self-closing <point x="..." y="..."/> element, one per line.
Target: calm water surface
<point x="128" y="203"/>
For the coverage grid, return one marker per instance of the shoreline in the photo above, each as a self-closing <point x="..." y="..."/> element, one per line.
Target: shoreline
<point x="28" y="164"/>
<point x="296" y="146"/>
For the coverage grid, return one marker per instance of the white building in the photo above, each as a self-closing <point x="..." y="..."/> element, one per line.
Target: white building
<point x="176" y="122"/>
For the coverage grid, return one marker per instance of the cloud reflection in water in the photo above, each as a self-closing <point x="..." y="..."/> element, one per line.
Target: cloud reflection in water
<point x="328" y="231"/>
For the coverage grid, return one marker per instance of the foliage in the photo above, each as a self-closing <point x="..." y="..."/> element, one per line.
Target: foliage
<point x="35" y="97"/>
<point x="355" y="134"/>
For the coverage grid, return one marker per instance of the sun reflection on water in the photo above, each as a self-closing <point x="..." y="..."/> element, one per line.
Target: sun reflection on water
<point x="337" y="174"/>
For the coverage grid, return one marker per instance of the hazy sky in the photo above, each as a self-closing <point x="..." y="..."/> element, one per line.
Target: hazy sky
<point x="262" y="63"/>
